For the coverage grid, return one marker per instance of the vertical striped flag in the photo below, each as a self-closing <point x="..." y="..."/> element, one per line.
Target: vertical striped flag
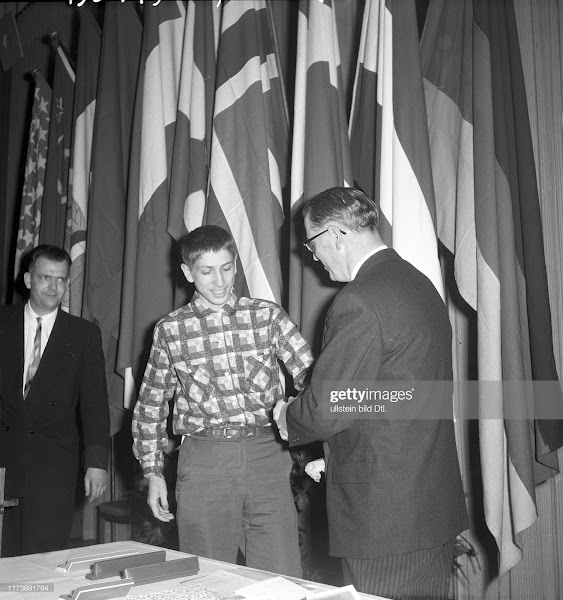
<point x="148" y="289"/>
<point x="111" y="146"/>
<point x="320" y="155"/>
<point x="389" y="133"/>
<point x="249" y="147"/>
<point x="53" y="214"/>
<point x="192" y="140"/>
<point x="488" y="215"/>
<point x="34" y="178"/>
<point x="86" y="85"/>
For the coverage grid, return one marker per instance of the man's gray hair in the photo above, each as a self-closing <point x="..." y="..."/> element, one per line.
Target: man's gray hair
<point x="348" y="206"/>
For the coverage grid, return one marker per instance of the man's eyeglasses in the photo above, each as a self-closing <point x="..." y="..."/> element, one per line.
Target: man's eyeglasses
<point x="307" y="243"/>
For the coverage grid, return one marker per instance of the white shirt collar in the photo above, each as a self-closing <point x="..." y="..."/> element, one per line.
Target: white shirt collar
<point x="363" y="260"/>
<point x="47" y="320"/>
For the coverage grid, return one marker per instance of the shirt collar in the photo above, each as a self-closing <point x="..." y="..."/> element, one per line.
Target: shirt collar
<point x="46" y="320"/>
<point x="202" y="310"/>
<point x="363" y="260"/>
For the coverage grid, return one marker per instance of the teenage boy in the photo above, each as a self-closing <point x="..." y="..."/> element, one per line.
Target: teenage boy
<point x="219" y="356"/>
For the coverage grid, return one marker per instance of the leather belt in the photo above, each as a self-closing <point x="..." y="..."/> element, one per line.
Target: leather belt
<point x="244" y="431"/>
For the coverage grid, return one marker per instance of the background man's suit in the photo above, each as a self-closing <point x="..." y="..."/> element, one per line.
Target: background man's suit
<point x="393" y="486"/>
<point x="40" y="436"/>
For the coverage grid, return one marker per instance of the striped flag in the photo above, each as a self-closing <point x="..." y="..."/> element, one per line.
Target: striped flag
<point x="320" y="155"/>
<point x="53" y="217"/>
<point x="34" y="181"/>
<point x="119" y="66"/>
<point x="192" y="141"/>
<point x="89" y="48"/>
<point x="389" y="133"/>
<point x="488" y="215"/>
<point x="148" y="287"/>
<point x="249" y="147"/>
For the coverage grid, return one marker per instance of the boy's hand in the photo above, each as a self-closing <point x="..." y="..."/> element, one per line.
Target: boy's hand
<point x="158" y="498"/>
<point x="279" y="417"/>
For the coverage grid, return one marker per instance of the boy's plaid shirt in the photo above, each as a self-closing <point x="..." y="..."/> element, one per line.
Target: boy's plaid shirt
<point x="221" y="365"/>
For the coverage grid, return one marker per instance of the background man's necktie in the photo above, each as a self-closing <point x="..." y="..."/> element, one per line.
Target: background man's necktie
<point x="32" y="369"/>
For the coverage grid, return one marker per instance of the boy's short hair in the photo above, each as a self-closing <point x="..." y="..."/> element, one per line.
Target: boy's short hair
<point x="207" y="238"/>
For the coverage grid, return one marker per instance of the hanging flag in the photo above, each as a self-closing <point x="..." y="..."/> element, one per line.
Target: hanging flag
<point x="150" y="258"/>
<point x="34" y="178"/>
<point x="488" y="216"/>
<point x="249" y="147"/>
<point x="111" y="146"/>
<point x="389" y="134"/>
<point x="192" y="140"/>
<point x="53" y="217"/>
<point x="86" y="85"/>
<point x="320" y="156"/>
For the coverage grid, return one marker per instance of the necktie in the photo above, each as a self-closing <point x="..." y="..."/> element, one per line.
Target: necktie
<point x="32" y="369"/>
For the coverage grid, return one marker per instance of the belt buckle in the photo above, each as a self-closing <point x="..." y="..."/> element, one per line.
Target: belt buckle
<point x="235" y="432"/>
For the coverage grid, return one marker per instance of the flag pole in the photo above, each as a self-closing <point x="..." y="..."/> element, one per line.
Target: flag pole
<point x="57" y="46"/>
<point x="278" y="61"/>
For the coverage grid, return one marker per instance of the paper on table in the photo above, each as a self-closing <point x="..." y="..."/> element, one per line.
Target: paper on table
<point x="222" y="582"/>
<point x="344" y="593"/>
<point x="189" y="592"/>
<point x="276" y="588"/>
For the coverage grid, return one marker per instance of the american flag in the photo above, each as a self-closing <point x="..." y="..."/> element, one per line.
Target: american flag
<point x="32" y="196"/>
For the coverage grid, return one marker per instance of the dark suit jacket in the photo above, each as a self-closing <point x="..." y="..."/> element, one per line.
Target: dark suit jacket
<point x="39" y="437"/>
<point x="393" y="486"/>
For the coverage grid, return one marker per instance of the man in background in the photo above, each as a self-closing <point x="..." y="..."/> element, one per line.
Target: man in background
<point x="52" y="396"/>
<point x="395" y="499"/>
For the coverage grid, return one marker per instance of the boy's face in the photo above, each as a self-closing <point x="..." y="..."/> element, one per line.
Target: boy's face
<point x="213" y="275"/>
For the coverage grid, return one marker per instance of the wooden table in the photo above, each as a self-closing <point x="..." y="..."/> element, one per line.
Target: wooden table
<point x="42" y="569"/>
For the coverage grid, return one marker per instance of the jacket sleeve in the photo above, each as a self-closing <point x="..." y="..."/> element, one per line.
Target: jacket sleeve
<point x="93" y="402"/>
<point x="352" y="352"/>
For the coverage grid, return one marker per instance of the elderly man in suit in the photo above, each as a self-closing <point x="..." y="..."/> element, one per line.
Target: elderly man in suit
<point x="395" y="500"/>
<point x="53" y="391"/>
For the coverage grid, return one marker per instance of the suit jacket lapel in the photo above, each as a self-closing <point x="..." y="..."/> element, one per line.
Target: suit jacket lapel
<point x="13" y="359"/>
<point x="53" y="358"/>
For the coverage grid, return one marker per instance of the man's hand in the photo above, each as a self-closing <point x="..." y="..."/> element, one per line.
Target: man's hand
<point x="280" y="410"/>
<point x="94" y="483"/>
<point x="158" y="498"/>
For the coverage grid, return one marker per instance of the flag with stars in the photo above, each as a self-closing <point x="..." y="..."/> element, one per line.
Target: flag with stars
<point x="32" y="196"/>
